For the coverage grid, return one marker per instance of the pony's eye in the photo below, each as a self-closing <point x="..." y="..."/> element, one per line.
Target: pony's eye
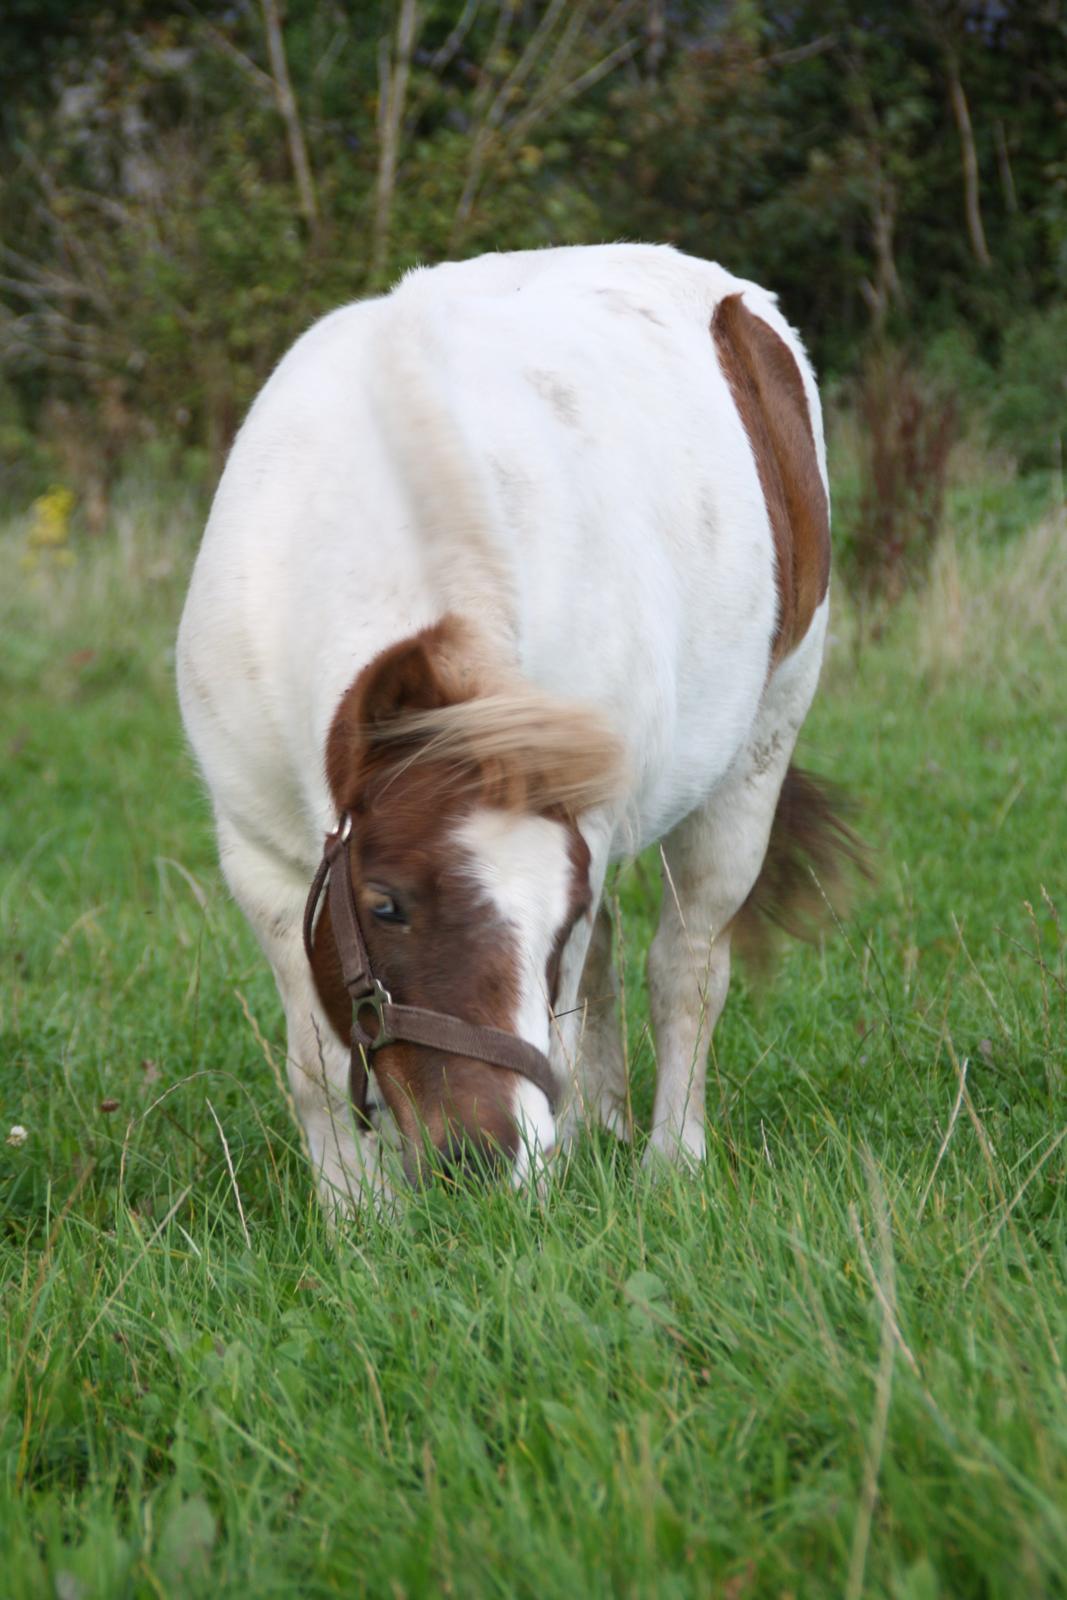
<point x="384" y="907"/>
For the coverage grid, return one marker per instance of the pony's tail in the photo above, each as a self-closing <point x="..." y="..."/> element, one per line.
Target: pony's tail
<point x="812" y="861"/>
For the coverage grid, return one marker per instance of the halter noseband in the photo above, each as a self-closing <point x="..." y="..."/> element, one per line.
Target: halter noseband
<point x="436" y="1030"/>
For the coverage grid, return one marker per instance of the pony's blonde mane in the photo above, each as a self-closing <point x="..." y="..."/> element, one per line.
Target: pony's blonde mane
<point x="538" y="750"/>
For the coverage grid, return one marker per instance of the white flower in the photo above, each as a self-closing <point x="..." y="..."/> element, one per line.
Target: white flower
<point x="18" y="1135"/>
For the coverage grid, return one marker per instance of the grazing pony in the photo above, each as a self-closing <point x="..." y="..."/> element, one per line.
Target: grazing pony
<point x="511" y="572"/>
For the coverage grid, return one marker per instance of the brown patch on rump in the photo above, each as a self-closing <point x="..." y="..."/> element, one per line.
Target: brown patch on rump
<point x="408" y="781"/>
<point x="812" y="854"/>
<point x="768" y="392"/>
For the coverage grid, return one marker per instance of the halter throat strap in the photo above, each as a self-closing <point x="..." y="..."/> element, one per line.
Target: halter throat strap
<point x="392" y="1023"/>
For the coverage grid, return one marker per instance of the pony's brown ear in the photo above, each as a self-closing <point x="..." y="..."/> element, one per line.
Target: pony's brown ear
<point x="407" y="677"/>
<point x="403" y="678"/>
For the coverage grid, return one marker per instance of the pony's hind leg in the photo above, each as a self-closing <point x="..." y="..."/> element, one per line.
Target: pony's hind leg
<point x="689" y="967"/>
<point x="711" y="862"/>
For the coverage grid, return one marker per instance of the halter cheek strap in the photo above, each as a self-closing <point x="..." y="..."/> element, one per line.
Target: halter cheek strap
<point x="392" y="1023"/>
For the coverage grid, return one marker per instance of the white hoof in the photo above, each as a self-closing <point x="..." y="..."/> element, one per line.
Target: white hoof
<point x="685" y="1147"/>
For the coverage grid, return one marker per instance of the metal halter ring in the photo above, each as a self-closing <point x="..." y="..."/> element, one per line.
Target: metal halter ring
<point x="376" y="999"/>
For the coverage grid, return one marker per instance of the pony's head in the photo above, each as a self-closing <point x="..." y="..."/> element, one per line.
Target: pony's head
<point x="470" y="875"/>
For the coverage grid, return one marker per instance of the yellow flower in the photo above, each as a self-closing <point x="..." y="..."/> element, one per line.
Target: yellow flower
<point x="51" y="518"/>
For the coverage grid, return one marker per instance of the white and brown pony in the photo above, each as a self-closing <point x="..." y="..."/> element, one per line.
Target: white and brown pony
<point x="513" y="571"/>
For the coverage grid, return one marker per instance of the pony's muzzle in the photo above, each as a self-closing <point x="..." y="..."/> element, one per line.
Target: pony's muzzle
<point x="459" y="1158"/>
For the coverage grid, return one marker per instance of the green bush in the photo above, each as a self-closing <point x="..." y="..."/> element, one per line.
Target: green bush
<point x="1028" y="412"/>
<point x="953" y="363"/>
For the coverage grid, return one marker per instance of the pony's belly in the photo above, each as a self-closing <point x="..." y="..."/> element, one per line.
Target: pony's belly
<point x="700" y="758"/>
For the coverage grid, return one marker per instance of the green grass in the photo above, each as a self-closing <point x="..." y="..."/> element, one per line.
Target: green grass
<point x="831" y="1363"/>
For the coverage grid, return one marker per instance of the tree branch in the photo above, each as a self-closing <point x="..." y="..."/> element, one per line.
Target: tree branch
<point x="393" y="79"/>
<point x="283" y="88"/>
<point x="800" y="52"/>
<point x="1007" y="181"/>
<point x="972" y="207"/>
<point x="542" y="71"/>
<point x="450" y="49"/>
<point x="263" y="80"/>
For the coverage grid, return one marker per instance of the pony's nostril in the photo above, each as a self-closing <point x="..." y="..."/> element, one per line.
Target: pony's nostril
<point x="467" y="1158"/>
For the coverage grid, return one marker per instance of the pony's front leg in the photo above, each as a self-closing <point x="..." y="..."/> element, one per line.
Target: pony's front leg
<point x="586" y="1042"/>
<point x="600" y="1064"/>
<point x="347" y="1163"/>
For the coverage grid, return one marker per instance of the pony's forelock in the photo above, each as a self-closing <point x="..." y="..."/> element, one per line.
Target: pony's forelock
<point x="538" y="751"/>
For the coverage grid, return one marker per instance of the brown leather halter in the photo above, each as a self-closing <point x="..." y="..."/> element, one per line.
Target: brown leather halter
<point x="407" y="1024"/>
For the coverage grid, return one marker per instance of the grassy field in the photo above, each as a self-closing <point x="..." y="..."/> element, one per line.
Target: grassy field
<point x="831" y="1363"/>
